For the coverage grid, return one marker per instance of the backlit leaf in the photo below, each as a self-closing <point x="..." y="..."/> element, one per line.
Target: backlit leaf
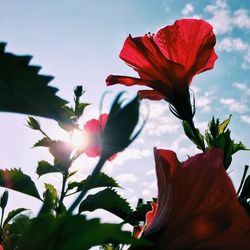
<point x="23" y="90"/>
<point x="109" y="200"/>
<point x="102" y="180"/>
<point x="16" y="180"/>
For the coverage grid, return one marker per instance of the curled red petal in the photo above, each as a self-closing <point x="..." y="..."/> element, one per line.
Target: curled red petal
<point x="127" y="80"/>
<point x="151" y="95"/>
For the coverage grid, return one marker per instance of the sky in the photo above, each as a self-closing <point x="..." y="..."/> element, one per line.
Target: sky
<point x="78" y="42"/>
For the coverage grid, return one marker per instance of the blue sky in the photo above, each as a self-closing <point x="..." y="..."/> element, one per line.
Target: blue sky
<point x="78" y="42"/>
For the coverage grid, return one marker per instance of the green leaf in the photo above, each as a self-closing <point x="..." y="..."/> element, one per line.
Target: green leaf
<point x="23" y="90"/>
<point x="45" y="168"/>
<point x="44" y="142"/>
<point x="238" y="146"/>
<point x="50" y="199"/>
<point x="13" y="214"/>
<point x="224" y="124"/>
<point x="4" y="199"/>
<point x="138" y="215"/>
<point x="109" y="200"/>
<point x="16" y="180"/>
<point x="190" y="134"/>
<point x="52" y="190"/>
<point x="14" y="231"/>
<point x="80" y="108"/>
<point x="102" y="180"/>
<point x="72" y="232"/>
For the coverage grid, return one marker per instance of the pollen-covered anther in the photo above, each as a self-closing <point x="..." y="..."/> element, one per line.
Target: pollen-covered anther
<point x="150" y="35"/>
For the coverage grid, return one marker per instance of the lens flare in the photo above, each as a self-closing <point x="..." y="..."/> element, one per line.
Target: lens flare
<point x="80" y="139"/>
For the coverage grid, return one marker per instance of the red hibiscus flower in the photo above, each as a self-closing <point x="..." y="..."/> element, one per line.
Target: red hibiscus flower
<point x="149" y="218"/>
<point x="197" y="205"/>
<point x="168" y="61"/>
<point x="94" y="129"/>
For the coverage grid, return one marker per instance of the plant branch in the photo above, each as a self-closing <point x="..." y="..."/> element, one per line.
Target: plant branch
<point x="88" y="184"/>
<point x="197" y="138"/>
<point x="63" y="192"/>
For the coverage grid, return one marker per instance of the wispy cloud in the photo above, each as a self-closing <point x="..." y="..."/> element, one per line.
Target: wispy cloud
<point x="126" y="177"/>
<point x="242" y="87"/>
<point x="233" y="105"/>
<point x="230" y="44"/>
<point x="224" y="19"/>
<point x="131" y="154"/>
<point x="161" y="121"/>
<point x="245" y="118"/>
<point x="188" y="9"/>
<point x="241" y="19"/>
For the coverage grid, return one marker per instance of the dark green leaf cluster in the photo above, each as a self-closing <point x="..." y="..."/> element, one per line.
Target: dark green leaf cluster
<point x="72" y="232"/>
<point x="218" y="136"/>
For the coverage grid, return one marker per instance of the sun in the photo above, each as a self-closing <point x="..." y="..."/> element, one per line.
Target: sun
<point x="80" y="139"/>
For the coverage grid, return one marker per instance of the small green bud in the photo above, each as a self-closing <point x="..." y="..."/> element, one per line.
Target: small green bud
<point x="33" y="123"/>
<point x="4" y="199"/>
<point x="78" y="91"/>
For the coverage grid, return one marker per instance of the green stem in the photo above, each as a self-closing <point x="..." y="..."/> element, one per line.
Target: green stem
<point x="196" y="135"/>
<point x="1" y="223"/>
<point x="63" y="193"/>
<point x="243" y="179"/>
<point x="88" y="184"/>
<point x="44" y="134"/>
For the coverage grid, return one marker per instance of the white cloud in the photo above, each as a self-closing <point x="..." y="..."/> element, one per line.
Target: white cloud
<point x="246" y="63"/>
<point x="146" y="192"/>
<point x="241" y="19"/>
<point x="188" y="9"/>
<point x="242" y="87"/>
<point x="230" y="44"/>
<point x="220" y="20"/>
<point x="233" y="105"/>
<point x="219" y="5"/>
<point x="224" y="20"/>
<point x="150" y="172"/>
<point x="245" y="118"/>
<point x="204" y="101"/>
<point x="130" y="154"/>
<point x="126" y="177"/>
<point x="160" y="121"/>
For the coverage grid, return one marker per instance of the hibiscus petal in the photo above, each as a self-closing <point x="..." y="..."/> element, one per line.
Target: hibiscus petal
<point x="197" y="204"/>
<point x="127" y="80"/>
<point x="103" y="120"/>
<point x="151" y="95"/>
<point x="92" y="126"/>
<point x="144" y="56"/>
<point x="188" y="42"/>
